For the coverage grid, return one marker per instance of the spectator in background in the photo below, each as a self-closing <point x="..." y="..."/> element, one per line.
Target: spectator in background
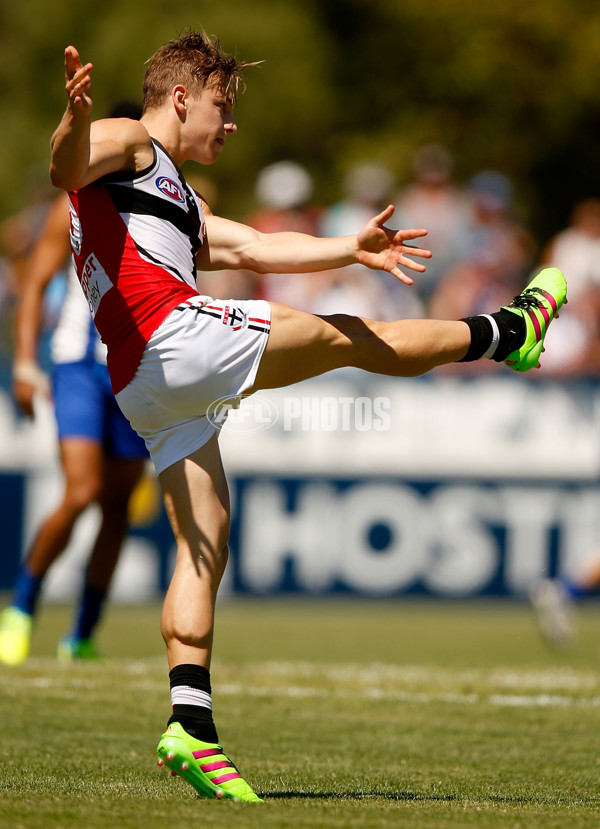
<point x="367" y="189"/>
<point x="284" y="191"/>
<point x="493" y="229"/>
<point x="433" y="200"/>
<point x="101" y="456"/>
<point x="576" y="349"/>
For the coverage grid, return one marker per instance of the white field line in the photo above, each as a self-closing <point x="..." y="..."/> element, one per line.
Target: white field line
<point x="548" y="679"/>
<point x="424" y="698"/>
<point x="560" y="687"/>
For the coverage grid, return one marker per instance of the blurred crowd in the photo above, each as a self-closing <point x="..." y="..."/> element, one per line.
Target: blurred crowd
<point x="483" y="252"/>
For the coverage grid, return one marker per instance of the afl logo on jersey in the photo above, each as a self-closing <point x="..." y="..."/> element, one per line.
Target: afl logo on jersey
<point x="170" y="188"/>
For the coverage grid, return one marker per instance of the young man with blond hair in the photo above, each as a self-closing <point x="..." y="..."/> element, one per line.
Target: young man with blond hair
<point x="138" y="234"/>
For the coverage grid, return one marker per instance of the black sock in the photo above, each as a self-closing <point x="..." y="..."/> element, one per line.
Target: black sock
<point x="510" y="335"/>
<point x="196" y="719"/>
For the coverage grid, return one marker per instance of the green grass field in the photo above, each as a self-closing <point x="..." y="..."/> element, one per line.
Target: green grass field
<point x="340" y="714"/>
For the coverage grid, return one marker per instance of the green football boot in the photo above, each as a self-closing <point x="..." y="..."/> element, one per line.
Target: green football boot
<point x="203" y="765"/>
<point x="538" y="304"/>
<point x="15" y="636"/>
<point x="71" y="649"/>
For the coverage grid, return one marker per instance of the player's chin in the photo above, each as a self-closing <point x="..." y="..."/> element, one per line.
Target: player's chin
<point x="211" y="155"/>
<point x="206" y="158"/>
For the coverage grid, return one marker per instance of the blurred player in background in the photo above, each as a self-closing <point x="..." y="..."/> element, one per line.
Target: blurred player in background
<point x="138" y="234"/>
<point x="102" y="458"/>
<point x="554" y="600"/>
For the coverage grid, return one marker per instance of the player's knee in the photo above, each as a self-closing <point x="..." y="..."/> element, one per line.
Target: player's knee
<point x="80" y="494"/>
<point x="200" y="560"/>
<point x="114" y="506"/>
<point x="212" y="562"/>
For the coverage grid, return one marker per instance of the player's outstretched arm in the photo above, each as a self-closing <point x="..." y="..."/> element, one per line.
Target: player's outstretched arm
<point x="83" y="151"/>
<point x="234" y="245"/>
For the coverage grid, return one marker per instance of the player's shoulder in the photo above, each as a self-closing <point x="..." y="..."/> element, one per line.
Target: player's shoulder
<point x="125" y="131"/>
<point x="130" y="137"/>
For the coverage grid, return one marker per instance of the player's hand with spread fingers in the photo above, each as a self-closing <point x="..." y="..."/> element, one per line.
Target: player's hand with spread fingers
<point x="383" y="249"/>
<point x="78" y="82"/>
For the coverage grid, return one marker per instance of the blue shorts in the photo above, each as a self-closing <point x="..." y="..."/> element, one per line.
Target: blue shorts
<point x="85" y="406"/>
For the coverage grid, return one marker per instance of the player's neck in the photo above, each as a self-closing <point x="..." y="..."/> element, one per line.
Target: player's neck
<point x="165" y="132"/>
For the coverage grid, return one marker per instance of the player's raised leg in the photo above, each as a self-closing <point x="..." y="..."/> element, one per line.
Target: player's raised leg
<point x="304" y="345"/>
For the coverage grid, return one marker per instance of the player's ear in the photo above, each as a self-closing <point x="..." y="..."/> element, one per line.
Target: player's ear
<point x="179" y="97"/>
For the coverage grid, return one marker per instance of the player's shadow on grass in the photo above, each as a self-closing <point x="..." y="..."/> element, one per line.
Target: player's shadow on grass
<point x="405" y="796"/>
<point x="416" y="797"/>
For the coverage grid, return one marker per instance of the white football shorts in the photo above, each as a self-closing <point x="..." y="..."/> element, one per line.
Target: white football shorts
<point x="205" y="353"/>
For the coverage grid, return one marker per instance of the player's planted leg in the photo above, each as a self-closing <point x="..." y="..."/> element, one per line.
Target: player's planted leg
<point x="197" y="503"/>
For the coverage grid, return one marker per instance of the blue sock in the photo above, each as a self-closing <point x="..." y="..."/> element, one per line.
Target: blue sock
<point x="92" y="604"/>
<point x="27" y="591"/>
<point x="574" y="590"/>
